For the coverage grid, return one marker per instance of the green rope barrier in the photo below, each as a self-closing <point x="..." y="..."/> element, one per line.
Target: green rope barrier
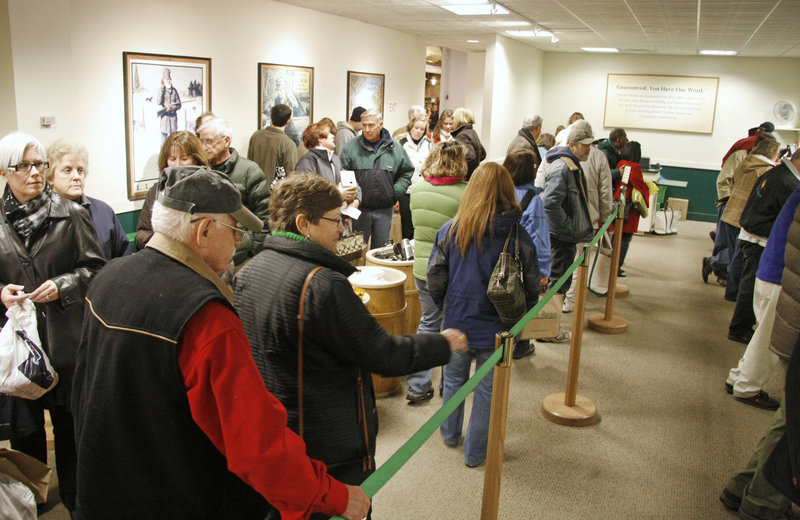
<point x="377" y="480"/>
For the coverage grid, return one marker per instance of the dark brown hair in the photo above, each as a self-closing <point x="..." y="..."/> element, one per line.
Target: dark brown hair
<point x="306" y="194"/>
<point x="188" y="142"/>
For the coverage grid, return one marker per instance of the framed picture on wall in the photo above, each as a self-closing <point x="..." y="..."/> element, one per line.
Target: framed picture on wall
<point x="364" y="89"/>
<point x="163" y="94"/>
<point x="289" y="85"/>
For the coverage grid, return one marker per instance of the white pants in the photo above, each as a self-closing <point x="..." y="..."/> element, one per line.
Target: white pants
<point x="758" y="360"/>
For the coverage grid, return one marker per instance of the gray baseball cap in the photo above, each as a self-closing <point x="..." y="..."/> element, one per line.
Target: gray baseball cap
<point x="581" y="135"/>
<point x="196" y="189"/>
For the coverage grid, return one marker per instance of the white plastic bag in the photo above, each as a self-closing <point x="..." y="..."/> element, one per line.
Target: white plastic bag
<point x="16" y="500"/>
<point x="25" y="370"/>
<point x="600" y="266"/>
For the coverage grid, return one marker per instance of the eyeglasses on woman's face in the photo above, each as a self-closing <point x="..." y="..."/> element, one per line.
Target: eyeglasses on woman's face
<point x="338" y="221"/>
<point x="25" y="167"/>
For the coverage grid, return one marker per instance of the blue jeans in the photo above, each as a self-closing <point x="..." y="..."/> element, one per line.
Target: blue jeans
<point x="375" y="223"/>
<point x="724" y="245"/>
<point x="455" y="374"/>
<point x="734" y="271"/>
<point x="420" y="382"/>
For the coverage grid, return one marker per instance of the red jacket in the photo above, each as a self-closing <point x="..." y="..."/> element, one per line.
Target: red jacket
<point x="742" y="144"/>
<point x="636" y="180"/>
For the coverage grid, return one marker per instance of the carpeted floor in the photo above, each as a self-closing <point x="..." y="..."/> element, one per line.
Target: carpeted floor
<point x="668" y="435"/>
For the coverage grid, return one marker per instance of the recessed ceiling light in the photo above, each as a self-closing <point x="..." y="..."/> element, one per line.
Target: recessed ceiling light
<point x="476" y="9"/>
<point x="715" y="52"/>
<point x="523" y="34"/>
<point x="599" y="49"/>
<point x="508" y="23"/>
<point x="473" y="41"/>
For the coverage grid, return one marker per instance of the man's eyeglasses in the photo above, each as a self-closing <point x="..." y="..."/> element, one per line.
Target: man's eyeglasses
<point x="209" y="142"/>
<point x="238" y="233"/>
<point x="339" y="220"/>
<point x="25" y="167"/>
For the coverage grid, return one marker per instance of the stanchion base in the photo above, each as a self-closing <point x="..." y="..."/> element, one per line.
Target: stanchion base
<point x="599" y="323"/>
<point x="622" y="290"/>
<point x="583" y="413"/>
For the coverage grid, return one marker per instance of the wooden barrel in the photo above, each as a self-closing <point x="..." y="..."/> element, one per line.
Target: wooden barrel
<point x="413" y="307"/>
<point x="387" y="304"/>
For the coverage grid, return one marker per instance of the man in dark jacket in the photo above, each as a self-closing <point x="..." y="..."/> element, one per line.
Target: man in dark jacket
<point x="527" y="136"/>
<point x="173" y="356"/>
<point x="565" y="202"/>
<point x="765" y="202"/>
<point x="383" y="171"/>
<point x="612" y="147"/>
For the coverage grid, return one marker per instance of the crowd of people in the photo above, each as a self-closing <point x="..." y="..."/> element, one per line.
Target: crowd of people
<point x="755" y="259"/>
<point x="226" y="388"/>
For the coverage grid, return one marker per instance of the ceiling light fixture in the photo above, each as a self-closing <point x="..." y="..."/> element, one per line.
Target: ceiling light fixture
<point x="485" y="9"/>
<point x="508" y="23"/>
<point x="473" y="41"/>
<point x="716" y="52"/>
<point x="599" y="49"/>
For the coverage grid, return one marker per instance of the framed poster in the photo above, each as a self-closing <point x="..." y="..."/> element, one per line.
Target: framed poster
<point x="292" y="86"/>
<point x="660" y="102"/>
<point x="163" y="94"/>
<point x="364" y="89"/>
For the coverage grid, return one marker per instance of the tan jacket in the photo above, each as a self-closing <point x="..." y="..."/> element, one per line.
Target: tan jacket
<point x="744" y="178"/>
<point x="786" y="328"/>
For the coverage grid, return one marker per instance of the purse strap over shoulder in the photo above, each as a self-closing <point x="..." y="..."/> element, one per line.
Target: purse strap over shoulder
<point x="303" y="291"/>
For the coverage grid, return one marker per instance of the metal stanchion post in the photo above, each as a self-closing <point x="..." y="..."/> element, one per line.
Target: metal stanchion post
<point x="608" y="323"/>
<point x="569" y="408"/>
<point x="497" y="428"/>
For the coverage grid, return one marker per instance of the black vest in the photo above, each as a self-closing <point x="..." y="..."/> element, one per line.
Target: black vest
<point x="140" y="454"/>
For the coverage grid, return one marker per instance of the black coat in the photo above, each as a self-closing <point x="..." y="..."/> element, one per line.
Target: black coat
<point x="766" y="200"/>
<point x="341" y="341"/>
<point x="64" y="249"/>
<point x="475" y="150"/>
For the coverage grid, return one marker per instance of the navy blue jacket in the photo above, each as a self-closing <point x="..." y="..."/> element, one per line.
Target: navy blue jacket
<point x="459" y="283"/>
<point x="112" y="237"/>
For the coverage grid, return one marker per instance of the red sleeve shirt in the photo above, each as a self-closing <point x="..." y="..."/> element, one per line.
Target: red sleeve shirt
<point x="230" y="403"/>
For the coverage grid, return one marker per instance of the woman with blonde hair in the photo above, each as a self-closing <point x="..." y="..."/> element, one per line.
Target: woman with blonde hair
<point x="417" y="146"/>
<point x="69" y="166"/>
<point x="179" y="149"/>
<point x="463" y="258"/>
<point x="463" y="121"/>
<point x="434" y="201"/>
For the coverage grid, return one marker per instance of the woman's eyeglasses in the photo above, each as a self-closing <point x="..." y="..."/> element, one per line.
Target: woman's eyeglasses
<point x="339" y="220"/>
<point x="25" y="167"/>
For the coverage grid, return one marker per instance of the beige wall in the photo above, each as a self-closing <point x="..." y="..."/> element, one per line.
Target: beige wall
<point x="75" y="72"/>
<point x="748" y="90"/>
<point x="8" y="114"/>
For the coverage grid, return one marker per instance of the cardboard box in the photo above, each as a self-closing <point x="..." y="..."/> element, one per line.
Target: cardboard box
<point x="681" y="205"/>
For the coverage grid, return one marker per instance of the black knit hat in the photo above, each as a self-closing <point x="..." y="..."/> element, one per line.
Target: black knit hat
<point x="356" y="115"/>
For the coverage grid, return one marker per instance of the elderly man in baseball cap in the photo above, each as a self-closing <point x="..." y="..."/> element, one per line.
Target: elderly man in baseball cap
<point x="172" y="418"/>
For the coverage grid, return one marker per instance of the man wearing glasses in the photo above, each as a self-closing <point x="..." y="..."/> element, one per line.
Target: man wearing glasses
<point x="172" y="417"/>
<point x="215" y="136"/>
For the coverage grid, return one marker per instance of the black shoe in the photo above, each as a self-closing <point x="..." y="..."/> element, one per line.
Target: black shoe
<point x="706" y="269"/>
<point x="760" y="400"/>
<point x="417" y="398"/>
<point x="713" y="235"/>
<point x="621" y="274"/>
<point x="740" y="338"/>
<point x="729" y="500"/>
<point x="525" y="354"/>
<point x="729" y="388"/>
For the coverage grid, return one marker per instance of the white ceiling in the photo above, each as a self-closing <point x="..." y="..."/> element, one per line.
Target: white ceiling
<point x="765" y="28"/>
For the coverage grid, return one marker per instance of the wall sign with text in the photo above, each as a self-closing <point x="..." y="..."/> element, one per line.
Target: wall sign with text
<point x="654" y="102"/>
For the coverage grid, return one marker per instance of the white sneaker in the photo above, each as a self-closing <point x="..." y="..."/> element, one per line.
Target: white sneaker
<point x="568" y="306"/>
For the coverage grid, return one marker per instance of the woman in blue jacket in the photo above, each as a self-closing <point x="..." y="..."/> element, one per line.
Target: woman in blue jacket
<point x="461" y="263"/>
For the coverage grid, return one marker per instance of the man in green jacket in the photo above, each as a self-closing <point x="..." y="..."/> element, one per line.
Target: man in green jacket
<point x="612" y="146"/>
<point x="215" y="135"/>
<point x="383" y="171"/>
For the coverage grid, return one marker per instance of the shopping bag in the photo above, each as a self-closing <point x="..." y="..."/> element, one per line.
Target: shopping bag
<point x="600" y="266"/>
<point x="25" y="370"/>
<point x="26" y="469"/>
<point x="16" y="500"/>
<point x="547" y="321"/>
<point x="666" y="221"/>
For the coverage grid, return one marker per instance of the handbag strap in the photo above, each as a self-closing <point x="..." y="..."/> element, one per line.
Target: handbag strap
<point x="303" y="291"/>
